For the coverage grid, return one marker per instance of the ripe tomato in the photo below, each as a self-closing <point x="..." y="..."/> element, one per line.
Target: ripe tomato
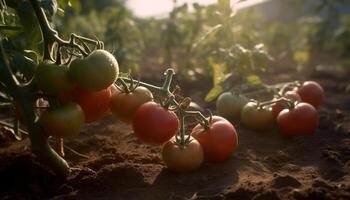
<point x="94" y="104"/>
<point x="230" y="105"/>
<point x="182" y="158"/>
<point x="52" y="79"/>
<point x="64" y="121"/>
<point x="124" y="105"/>
<point x="154" y="124"/>
<point x="302" y="119"/>
<point x="278" y="107"/>
<point x="219" y="141"/>
<point x="257" y="118"/>
<point x="95" y="72"/>
<point x="312" y="93"/>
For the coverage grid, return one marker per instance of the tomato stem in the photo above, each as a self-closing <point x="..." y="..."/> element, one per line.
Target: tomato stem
<point x="23" y="95"/>
<point x="284" y="100"/>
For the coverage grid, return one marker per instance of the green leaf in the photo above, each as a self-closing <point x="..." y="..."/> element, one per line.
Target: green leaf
<point x="218" y="72"/>
<point x="214" y="92"/>
<point x="254" y="79"/>
<point x="31" y="36"/>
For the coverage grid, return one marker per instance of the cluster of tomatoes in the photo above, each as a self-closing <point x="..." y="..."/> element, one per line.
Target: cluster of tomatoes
<point x="294" y="111"/>
<point x="85" y="90"/>
<point x="77" y="94"/>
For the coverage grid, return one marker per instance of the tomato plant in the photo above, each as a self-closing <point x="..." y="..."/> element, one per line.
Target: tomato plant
<point x="154" y="124"/>
<point x="95" y="72"/>
<point x="312" y="93"/>
<point x="181" y="158"/>
<point x="63" y="121"/>
<point x="300" y="120"/>
<point x="257" y="117"/>
<point x="230" y="104"/>
<point x="125" y="103"/>
<point x="219" y="140"/>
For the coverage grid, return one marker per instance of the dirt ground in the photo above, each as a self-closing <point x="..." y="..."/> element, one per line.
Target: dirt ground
<point x="264" y="167"/>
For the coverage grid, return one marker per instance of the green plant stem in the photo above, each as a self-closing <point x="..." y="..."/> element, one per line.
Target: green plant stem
<point x="26" y="101"/>
<point x="7" y="27"/>
<point x="50" y="35"/>
<point x="284" y="100"/>
<point x="3" y="123"/>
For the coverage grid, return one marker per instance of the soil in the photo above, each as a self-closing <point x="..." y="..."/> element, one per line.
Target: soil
<point x="265" y="166"/>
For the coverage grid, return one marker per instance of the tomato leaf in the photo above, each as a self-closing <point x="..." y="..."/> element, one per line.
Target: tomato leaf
<point x="213" y="93"/>
<point x="254" y="79"/>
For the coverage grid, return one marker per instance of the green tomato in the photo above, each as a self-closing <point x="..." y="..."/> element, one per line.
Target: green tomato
<point x="52" y="79"/>
<point x="96" y="72"/>
<point x="257" y="118"/>
<point x="230" y="105"/>
<point x="64" y="121"/>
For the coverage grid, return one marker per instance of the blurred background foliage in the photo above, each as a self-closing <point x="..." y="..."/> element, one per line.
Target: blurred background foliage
<point x="206" y="42"/>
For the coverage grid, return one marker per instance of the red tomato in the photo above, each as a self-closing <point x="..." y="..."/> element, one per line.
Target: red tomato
<point x="124" y="105"/>
<point x="182" y="158"/>
<point x="154" y="124"/>
<point x="312" y="93"/>
<point x="219" y="141"/>
<point x="94" y="104"/>
<point x="301" y="120"/>
<point x="113" y="89"/>
<point x="278" y="107"/>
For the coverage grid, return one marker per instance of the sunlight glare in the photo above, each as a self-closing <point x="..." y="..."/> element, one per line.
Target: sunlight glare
<point x="154" y="8"/>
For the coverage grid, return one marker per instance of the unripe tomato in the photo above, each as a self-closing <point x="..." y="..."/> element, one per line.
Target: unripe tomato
<point x="230" y="105"/>
<point x="95" y="72"/>
<point x="124" y="105"/>
<point x="52" y="79"/>
<point x="182" y="158"/>
<point x="64" y="121"/>
<point x="278" y="107"/>
<point x="154" y="124"/>
<point x="219" y="141"/>
<point x="301" y="120"/>
<point x="94" y="104"/>
<point x="257" y="118"/>
<point x="311" y="92"/>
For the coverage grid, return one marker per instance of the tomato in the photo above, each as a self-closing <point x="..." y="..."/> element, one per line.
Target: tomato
<point x="230" y="105"/>
<point x="312" y="93"/>
<point x="257" y="118"/>
<point x="64" y="121"/>
<point x="95" y="72"/>
<point x="182" y="158"/>
<point x="154" y="124"/>
<point x="52" y="79"/>
<point x="113" y="89"/>
<point x="219" y="141"/>
<point x="302" y="119"/>
<point x="94" y="104"/>
<point x="124" y="105"/>
<point x="278" y="107"/>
